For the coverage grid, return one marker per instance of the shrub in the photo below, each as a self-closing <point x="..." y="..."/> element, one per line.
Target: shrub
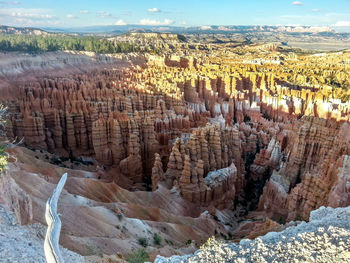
<point x="3" y="154"/>
<point x="157" y="239"/>
<point x="120" y="216"/>
<point x="3" y="157"/>
<point x="93" y="250"/>
<point x="188" y="242"/>
<point x="246" y="118"/>
<point x="143" y="242"/>
<point x="139" y="256"/>
<point x="169" y="242"/>
<point x="266" y="116"/>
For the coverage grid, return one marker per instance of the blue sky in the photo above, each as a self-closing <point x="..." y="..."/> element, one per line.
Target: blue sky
<point x="68" y="13"/>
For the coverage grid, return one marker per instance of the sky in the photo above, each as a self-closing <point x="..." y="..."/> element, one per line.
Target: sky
<point x="78" y="13"/>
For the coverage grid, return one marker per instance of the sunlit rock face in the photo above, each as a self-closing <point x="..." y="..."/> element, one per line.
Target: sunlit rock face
<point x="191" y="143"/>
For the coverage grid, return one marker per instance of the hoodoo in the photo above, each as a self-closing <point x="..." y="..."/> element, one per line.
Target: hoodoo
<point x="171" y="139"/>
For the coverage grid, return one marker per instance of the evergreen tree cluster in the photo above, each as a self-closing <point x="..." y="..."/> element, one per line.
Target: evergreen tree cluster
<point x="34" y="44"/>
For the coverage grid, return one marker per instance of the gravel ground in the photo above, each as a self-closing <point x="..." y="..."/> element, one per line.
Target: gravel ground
<point x="25" y="244"/>
<point x="326" y="238"/>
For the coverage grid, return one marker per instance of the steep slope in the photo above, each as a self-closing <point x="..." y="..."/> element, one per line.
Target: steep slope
<point x="99" y="217"/>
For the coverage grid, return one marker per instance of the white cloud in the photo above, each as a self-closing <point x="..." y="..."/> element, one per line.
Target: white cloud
<point x="28" y="17"/>
<point x="342" y="24"/>
<point x="316" y="10"/>
<point x="206" y="28"/>
<point x="83" y="11"/>
<point x="154" y="10"/>
<point x="105" y="14"/>
<point x="149" y="22"/>
<point x="298" y="3"/>
<point x="120" y="22"/>
<point x="70" y="16"/>
<point x="126" y="13"/>
<point x="32" y="13"/>
<point x="9" y="3"/>
<point x="25" y="22"/>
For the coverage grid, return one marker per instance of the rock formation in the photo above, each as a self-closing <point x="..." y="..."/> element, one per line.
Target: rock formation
<point x="132" y="165"/>
<point x="213" y="133"/>
<point x="157" y="172"/>
<point x="310" y="177"/>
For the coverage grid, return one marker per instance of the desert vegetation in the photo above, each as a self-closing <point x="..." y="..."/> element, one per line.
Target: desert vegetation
<point x="3" y="154"/>
<point x="35" y="44"/>
<point x="138" y="256"/>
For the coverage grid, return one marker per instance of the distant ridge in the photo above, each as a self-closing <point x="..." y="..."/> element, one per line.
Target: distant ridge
<point x="115" y="30"/>
<point x="201" y="29"/>
<point x="22" y="30"/>
<point x="305" y="37"/>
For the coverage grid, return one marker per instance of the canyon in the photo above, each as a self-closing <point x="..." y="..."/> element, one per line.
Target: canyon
<point x="190" y="141"/>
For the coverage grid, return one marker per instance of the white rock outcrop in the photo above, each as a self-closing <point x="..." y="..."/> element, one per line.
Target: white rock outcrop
<point x="24" y="244"/>
<point x="325" y="238"/>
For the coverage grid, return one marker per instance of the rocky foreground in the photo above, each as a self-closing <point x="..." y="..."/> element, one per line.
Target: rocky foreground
<point x="326" y="238"/>
<point x="25" y="243"/>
